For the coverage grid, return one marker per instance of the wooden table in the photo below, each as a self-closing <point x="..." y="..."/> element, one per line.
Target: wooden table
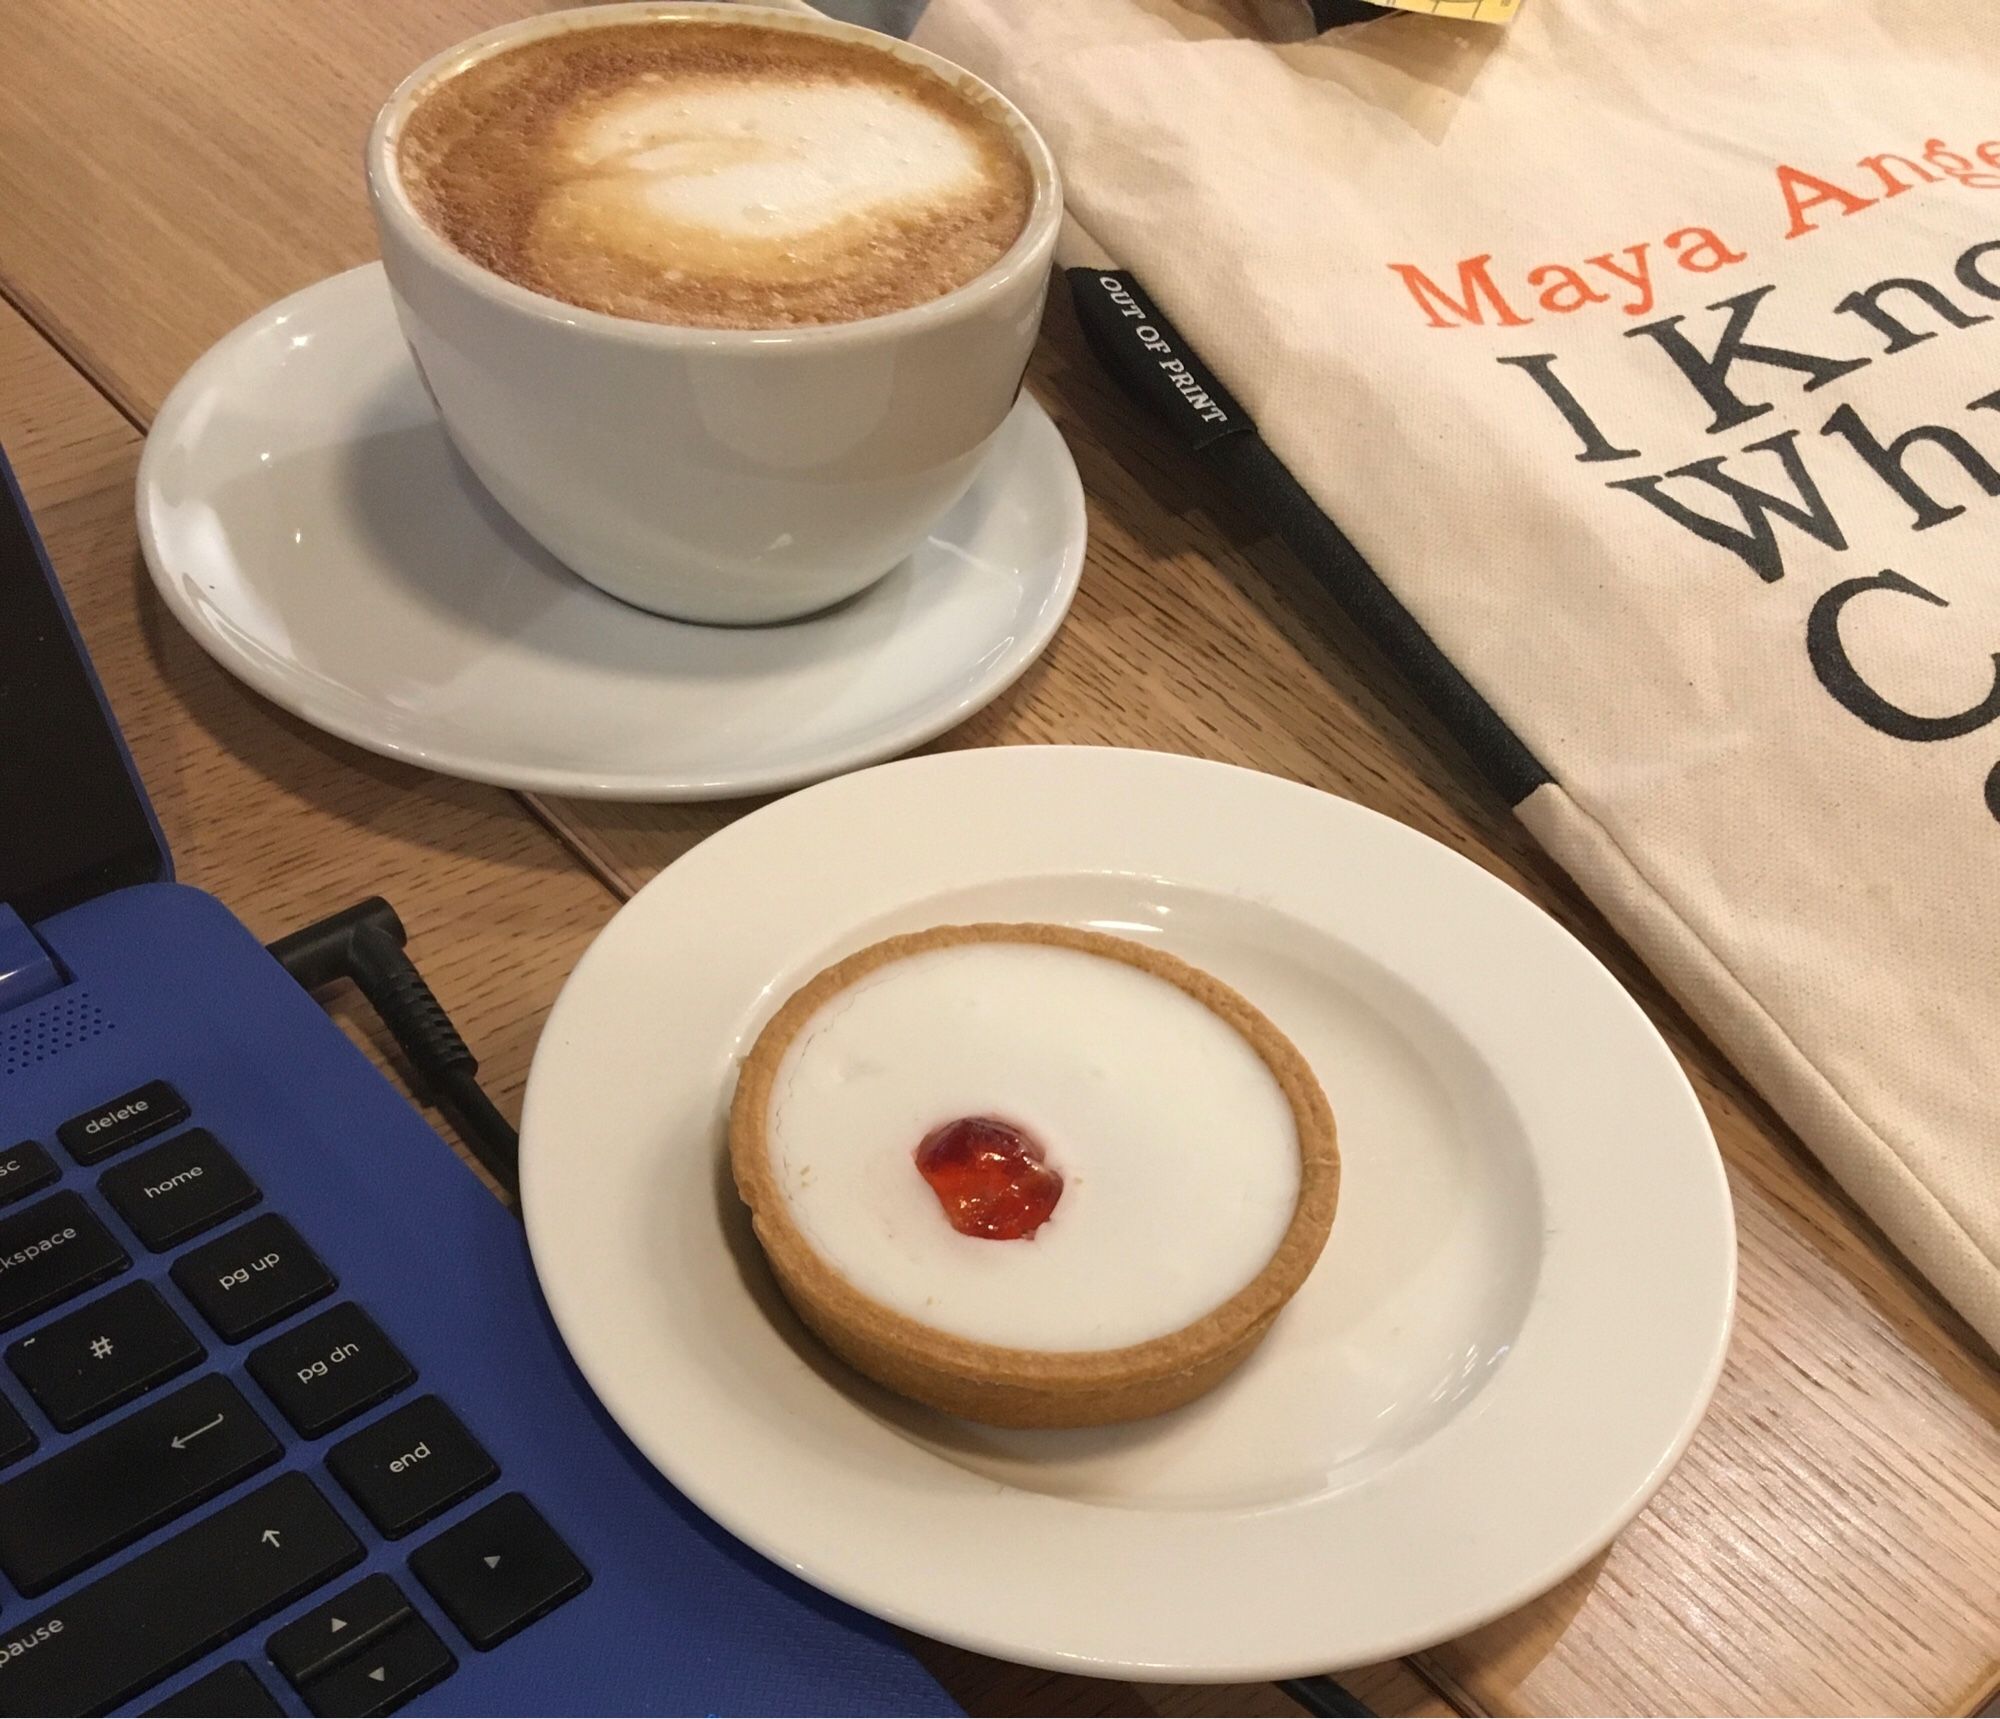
<point x="1832" y="1541"/>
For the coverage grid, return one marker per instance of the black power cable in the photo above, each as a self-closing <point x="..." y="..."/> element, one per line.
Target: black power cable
<point x="1325" y="1697"/>
<point x="365" y="944"/>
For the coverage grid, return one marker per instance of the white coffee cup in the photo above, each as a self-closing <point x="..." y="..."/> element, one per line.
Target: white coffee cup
<point x="727" y="475"/>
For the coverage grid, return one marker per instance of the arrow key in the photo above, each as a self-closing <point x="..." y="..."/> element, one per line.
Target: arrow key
<point x="338" y="1629"/>
<point x="397" y="1669"/>
<point x="499" y="1570"/>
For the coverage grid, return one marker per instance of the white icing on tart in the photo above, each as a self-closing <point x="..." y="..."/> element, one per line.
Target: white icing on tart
<point x="1178" y="1148"/>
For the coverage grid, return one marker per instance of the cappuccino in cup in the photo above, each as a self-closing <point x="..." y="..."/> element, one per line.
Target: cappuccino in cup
<point x="725" y="304"/>
<point x="716" y="175"/>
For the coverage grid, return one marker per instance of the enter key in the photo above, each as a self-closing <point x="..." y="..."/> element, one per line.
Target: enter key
<point x="101" y="1494"/>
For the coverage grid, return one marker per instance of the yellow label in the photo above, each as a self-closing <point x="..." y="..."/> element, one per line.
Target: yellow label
<point x="1473" y="11"/>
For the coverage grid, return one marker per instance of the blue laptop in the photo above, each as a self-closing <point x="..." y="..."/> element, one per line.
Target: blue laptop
<point x="284" y="1425"/>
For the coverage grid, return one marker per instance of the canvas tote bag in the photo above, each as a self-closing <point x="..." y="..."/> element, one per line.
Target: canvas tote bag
<point x="1633" y="374"/>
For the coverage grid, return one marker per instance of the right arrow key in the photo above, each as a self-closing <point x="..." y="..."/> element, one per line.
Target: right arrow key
<point x="499" y="1570"/>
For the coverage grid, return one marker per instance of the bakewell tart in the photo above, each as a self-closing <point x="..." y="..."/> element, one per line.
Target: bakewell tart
<point x="1032" y="1175"/>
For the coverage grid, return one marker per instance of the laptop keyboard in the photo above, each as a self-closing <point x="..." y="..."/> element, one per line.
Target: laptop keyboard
<point x="161" y="1441"/>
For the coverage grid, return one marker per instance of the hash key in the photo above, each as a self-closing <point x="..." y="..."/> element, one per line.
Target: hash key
<point x="175" y="1191"/>
<point x="252" y="1277"/>
<point x="89" y="1362"/>
<point x="52" y="1250"/>
<point x="325" y="1372"/>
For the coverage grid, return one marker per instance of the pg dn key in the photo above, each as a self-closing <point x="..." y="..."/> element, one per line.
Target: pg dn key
<point x="329" y="1369"/>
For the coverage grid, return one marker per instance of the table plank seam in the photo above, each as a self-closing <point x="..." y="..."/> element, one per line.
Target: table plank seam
<point x="46" y="325"/>
<point x="594" y="858"/>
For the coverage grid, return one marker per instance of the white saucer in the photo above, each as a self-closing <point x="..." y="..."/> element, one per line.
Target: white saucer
<point x="1515" y="1327"/>
<point x="306" y="519"/>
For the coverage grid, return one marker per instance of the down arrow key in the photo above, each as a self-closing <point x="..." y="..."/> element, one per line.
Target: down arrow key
<point x="398" y="1668"/>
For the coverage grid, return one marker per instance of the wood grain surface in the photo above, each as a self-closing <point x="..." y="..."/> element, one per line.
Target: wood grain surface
<point x="1832" y="1541"/>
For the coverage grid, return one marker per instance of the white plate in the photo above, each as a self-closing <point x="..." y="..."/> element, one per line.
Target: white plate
<point x="1506" y="1346"/>
<point x="306" y="519"/>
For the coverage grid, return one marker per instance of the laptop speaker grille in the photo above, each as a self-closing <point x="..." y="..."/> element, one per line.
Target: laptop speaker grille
<point x="31" y="1036"/>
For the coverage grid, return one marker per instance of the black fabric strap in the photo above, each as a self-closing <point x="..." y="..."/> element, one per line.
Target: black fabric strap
<point x="1149" y="356"/>
<point x="1331" y="14"/>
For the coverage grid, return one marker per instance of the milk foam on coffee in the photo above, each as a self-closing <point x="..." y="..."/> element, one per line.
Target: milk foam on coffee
<point x="716" y="174"/>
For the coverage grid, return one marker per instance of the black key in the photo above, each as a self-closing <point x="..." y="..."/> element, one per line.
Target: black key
<point x="143" y="1621"/>
<point x="338" y="1629"/>
<point x="53" y="1250"/>
<point x="325" y="1372"/>
<point x="411" y="1465"/>
<point x="84" y="1503"/>
<point x="16" y="1439"/>
<point x="178" y="1190"/>
<point x="100" y="1357"/>
<point x="252" y="1277"/>
<point x="395" y="1671"/>
<point x="228" y="1692"/>
<point x="499" y="1570"/>
<point x="125" y="1121"/>
<point x="23" y="1169"/>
